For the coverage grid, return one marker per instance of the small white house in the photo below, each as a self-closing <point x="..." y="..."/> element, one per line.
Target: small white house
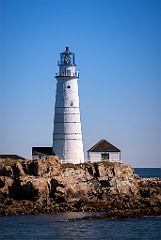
<point x="104" y="151"/>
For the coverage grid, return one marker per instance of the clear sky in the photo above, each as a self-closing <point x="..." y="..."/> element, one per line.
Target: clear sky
<point x="118" y="53"/>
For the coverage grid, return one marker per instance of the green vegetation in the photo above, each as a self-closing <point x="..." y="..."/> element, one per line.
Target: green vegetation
<point x="80" y="165"/>
<point x="107" y="164"/>
<point x="71" y="165"/>
<point x="10" y="161"/>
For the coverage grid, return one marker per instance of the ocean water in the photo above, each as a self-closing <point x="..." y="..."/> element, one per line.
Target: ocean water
<point x="62" y="226"/>
<point x="148" y="172"/>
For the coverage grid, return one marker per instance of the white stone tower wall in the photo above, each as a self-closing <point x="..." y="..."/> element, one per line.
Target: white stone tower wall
<point x="67" y="136"/>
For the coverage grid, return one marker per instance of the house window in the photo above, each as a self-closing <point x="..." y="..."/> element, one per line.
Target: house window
<point x="105" y="156"/>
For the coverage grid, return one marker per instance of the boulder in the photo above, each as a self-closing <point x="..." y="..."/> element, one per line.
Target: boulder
<point x="49" y="166"/>
<point x="5" y="185"/>
<point x="18" y="170"/>
<point x="29" y="187"/>
<point x="6" y="170"/>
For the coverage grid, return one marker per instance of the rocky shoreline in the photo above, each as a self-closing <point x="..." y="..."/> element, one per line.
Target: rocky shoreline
<point x="46" y="186"/>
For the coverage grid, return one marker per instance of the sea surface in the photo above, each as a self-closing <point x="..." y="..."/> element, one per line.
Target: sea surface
<point x="148" y="172"/>
<point x="63" y="226"/>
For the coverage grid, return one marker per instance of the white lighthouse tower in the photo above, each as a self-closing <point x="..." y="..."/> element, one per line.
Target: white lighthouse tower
<point x="67" y="135"/>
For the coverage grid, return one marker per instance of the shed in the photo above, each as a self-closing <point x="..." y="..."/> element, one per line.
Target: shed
<point x="104" y="151"/>
<point x="41" y="152"/>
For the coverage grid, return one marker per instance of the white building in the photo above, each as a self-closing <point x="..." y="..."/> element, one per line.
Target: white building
<point x="41" y="152"/>
<point x="67" y="135"/>
<point x="104" y="151"/>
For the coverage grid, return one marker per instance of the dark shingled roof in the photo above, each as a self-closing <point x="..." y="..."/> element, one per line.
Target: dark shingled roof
<point x="103" y="146"/>
<point x="42" y="151"/>
<point x="12" y="156"/>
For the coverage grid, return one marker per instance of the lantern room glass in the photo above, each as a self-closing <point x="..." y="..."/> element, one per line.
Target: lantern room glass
<point x="67" y="58"/>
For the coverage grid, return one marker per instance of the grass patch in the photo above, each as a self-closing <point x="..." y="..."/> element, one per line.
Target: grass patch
<point x="10" y="162"/>
<point x="80" y="165"/>
<point x="107" y="164"/>
<point x="69" y="165"/>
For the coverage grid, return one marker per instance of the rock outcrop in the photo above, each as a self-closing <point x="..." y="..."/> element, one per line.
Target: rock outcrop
<point x="46" y="186"/>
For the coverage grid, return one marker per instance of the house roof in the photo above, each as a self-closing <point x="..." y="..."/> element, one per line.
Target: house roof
<point x="42" y="151"/>
<point x="103" y="146"/>
<point x="12" y="156"/>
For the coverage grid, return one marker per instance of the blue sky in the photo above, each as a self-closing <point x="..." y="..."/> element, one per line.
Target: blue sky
<point x="118" y="53"/>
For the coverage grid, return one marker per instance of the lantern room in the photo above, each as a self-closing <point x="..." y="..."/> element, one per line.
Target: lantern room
<point x="67" y="58"/>
<point x="67" y="66"/>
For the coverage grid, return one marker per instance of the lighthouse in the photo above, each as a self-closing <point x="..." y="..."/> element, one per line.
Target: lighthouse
<point x="67" y="134"/>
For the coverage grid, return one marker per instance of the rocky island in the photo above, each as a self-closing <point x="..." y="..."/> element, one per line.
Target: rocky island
<point x="46" y="186"/>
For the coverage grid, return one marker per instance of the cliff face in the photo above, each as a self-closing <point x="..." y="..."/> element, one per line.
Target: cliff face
<point x="44" y="185"/>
